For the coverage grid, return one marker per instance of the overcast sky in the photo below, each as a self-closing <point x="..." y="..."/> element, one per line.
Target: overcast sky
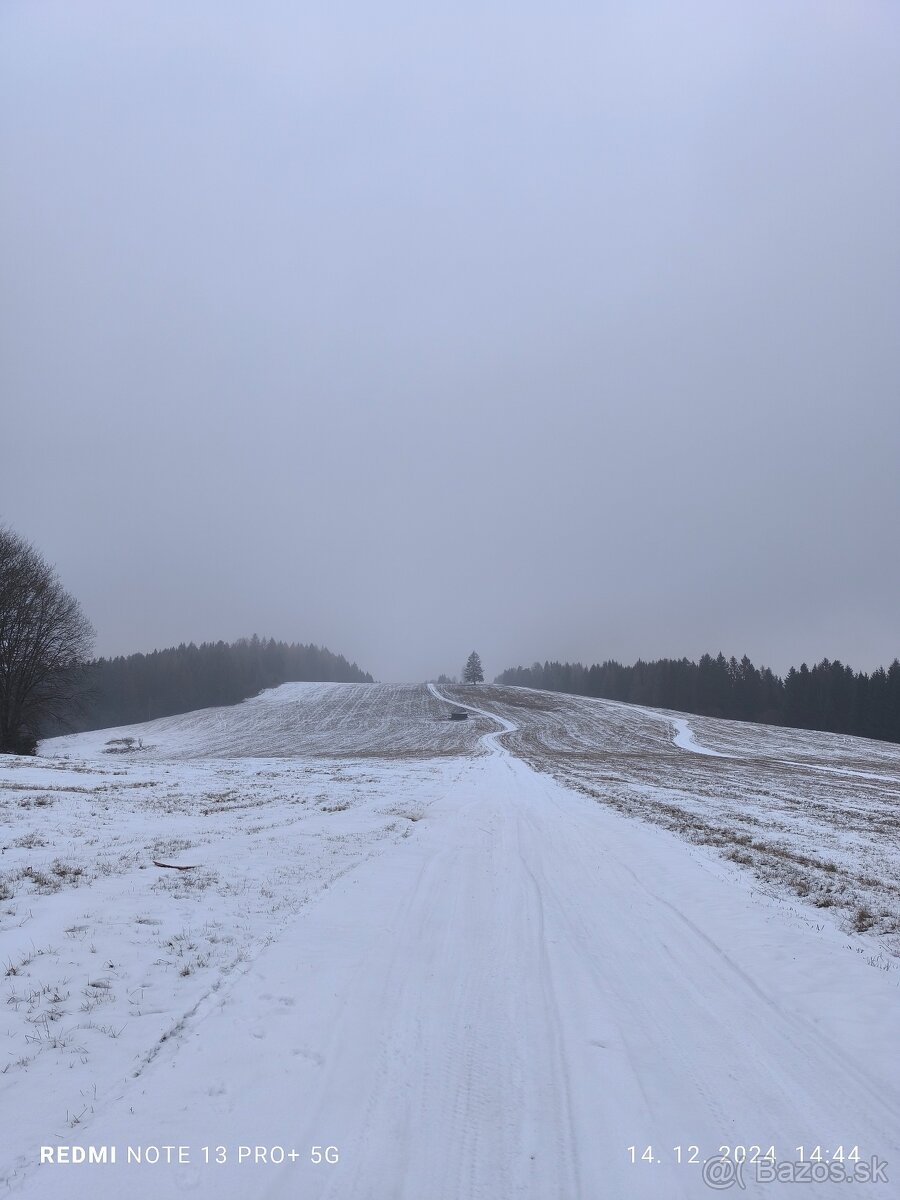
<point x="553" y="330"/>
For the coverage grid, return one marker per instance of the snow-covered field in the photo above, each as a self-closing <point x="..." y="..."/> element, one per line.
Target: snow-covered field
<point x="301" y="720"/>
<point x="812" y="815"/>
<point x="465" y="963"/>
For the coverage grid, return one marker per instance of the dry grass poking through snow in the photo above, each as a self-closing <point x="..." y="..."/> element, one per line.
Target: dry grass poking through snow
<point x="106" y="956"/>
<point x="813" y="815"/>
<point x="298" y="720"/>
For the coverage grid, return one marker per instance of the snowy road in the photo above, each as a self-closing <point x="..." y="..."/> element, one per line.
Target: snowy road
<point x="503" y="1005"/>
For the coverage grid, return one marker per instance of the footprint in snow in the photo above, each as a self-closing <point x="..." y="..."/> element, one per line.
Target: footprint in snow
<point x="312" y="1055"/>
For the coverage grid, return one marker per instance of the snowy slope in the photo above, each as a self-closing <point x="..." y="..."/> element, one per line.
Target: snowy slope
<point x="471" y="979"/>
<point x="813" y="815"/>
<point x="298" y="720"/>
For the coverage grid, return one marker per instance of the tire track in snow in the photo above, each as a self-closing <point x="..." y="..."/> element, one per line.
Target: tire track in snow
<point x="786" y="1066"/>
<point x="479" y="1051"/>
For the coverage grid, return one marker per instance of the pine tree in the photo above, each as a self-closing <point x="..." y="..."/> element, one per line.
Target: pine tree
<point x="472" y="672"/>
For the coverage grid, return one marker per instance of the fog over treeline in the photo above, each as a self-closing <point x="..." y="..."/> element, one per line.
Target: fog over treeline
<point x="140" y="687"/>
<point x="828" y="696"/>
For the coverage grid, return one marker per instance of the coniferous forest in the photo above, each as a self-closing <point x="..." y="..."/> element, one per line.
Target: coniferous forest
<point x="828" y="696"/>
<point x="141" y="687"/>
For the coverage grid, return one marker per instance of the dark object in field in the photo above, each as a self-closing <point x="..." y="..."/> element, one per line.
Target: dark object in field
<point x="459" y="714"/>
<point x="175" y="866"/>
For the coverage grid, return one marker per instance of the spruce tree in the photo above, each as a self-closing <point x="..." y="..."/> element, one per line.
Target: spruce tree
<point x="472" y="672"/>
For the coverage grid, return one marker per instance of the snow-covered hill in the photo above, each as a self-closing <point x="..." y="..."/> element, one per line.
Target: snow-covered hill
<point x="297" y="720"/>
<point x="814" y="816"/>
<point x="518" y="956"/>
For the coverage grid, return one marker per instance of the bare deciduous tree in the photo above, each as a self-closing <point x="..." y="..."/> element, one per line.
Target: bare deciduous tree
<point x="45" y="639"/>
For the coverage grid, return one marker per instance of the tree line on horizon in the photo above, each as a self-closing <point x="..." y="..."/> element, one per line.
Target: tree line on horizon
<point x="828" y="696"/>
<point x="126" y="690"/>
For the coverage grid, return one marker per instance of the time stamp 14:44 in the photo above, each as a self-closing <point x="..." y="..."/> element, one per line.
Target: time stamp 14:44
<point x="743" y="1154"/>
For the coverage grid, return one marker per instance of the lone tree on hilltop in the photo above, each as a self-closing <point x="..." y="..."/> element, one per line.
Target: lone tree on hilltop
<point x="472" y="672"/>
<point x="44" y="641"/>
